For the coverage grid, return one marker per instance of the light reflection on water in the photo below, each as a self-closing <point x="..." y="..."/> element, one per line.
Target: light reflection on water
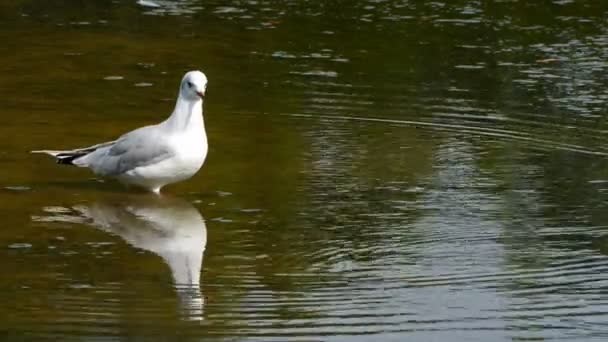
<point x="168" y="227"/>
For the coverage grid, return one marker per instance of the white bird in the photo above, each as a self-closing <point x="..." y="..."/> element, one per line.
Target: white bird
<point x="152" y="156"/>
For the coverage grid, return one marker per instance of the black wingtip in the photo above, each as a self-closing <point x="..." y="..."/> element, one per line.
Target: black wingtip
<point x="68" y="159"/>
<point x="65" y="161"/>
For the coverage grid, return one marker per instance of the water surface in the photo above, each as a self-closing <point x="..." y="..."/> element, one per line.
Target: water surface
<point x="382" y="170"/>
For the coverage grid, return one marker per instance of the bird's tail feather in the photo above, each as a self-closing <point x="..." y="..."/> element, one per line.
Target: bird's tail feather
<point x="68" y="156"/>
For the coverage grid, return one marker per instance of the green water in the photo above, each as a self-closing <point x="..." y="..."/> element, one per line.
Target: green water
<point x="378" y="170"/>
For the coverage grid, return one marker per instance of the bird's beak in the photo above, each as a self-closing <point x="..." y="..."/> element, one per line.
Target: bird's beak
<point x="201" y="93"/>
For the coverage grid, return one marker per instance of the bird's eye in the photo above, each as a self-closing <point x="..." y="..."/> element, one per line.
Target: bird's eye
<point x="190" y="84"/>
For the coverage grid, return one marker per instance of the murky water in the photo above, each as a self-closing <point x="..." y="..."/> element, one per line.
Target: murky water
<point x="378" y="170"/>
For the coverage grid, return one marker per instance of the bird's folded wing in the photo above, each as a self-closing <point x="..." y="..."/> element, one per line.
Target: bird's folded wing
<point x="142" y="147"/>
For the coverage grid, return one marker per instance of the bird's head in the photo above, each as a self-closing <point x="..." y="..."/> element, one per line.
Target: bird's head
<point x="194" y="85"/>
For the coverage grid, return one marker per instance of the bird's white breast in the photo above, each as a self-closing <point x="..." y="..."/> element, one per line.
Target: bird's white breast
<point x="191" y="147"/>
<point x="189" y="153"/>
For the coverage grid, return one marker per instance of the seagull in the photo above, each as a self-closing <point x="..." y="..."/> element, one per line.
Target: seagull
<point x="153" y="156"/>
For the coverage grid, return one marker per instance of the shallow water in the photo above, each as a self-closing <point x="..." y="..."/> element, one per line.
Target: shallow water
<point x="382" y="170"/>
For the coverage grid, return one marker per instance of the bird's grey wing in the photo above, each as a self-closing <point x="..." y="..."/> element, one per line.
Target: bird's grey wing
<point x="141" y="147"/>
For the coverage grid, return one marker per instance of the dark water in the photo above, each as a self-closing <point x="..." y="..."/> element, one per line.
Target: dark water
<point x="378" y="170"/>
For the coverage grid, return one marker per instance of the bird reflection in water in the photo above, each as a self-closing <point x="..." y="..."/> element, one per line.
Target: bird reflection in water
<point x="171" y="228"/>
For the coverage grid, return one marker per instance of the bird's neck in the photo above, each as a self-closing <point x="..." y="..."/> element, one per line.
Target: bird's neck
<point x="188" y="114"/>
